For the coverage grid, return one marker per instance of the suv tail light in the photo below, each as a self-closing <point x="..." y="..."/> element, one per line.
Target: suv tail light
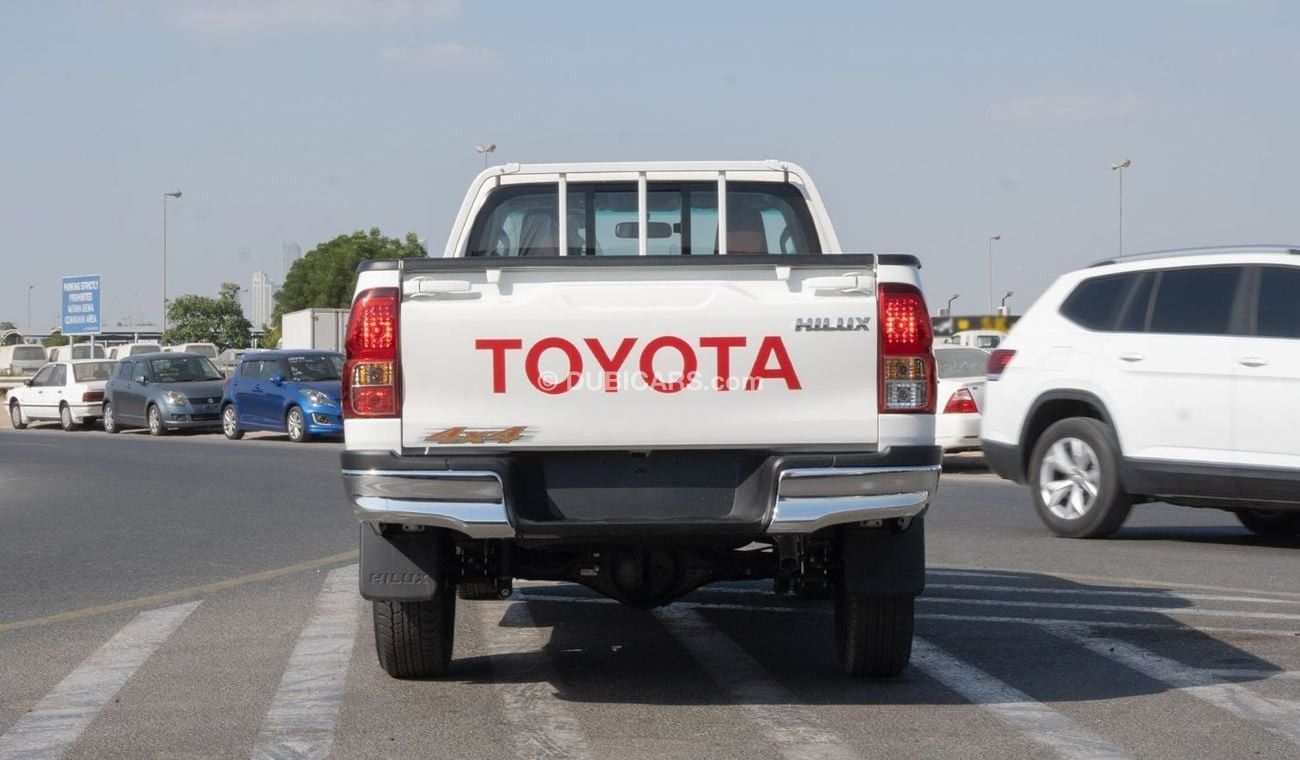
<point x="371" y="386"/>
<point x="962" y="402"/>
<point x="907" y="378"/>
<point x="998" y="361"/>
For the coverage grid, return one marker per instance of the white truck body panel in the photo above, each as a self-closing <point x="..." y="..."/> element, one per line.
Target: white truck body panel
<point x="322" y="329"/>
<point x="814" y="387"/>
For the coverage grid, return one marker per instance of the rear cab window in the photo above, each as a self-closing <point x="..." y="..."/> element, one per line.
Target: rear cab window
<point x="681" y="219"/>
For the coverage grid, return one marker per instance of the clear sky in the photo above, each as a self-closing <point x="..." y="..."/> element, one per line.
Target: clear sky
<point x="928" y="126"/>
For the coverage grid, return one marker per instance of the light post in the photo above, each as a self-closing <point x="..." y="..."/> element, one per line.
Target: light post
<point x="165" y="196"/>
<point x="29" y="309"/>
<point x="485" y="150"/>
<point x="991" y="239"/>
<point x="1005" y="297"/>
<point x="955" y="296"/>
<point x="1120" y="167"/>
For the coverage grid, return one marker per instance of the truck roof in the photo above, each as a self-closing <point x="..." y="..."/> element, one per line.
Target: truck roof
<point x="772" y="165"/>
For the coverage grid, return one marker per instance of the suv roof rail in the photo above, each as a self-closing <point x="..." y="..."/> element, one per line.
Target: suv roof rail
<point x="1169" y="253"/>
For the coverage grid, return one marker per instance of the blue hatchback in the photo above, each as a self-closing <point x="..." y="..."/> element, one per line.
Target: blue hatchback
<point x="294" y="392"/>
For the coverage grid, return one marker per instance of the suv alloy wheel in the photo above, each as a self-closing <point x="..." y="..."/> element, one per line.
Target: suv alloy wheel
<point x="1074" y="479"/>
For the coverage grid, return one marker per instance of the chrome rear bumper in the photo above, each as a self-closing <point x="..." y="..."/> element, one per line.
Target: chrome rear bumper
<point x="473" y="502"/>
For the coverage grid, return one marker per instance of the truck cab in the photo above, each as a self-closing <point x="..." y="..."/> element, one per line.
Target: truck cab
<point x="642" y="378"/>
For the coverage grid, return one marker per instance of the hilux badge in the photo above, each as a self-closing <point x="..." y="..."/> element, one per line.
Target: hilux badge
<point x="829" y="324"/>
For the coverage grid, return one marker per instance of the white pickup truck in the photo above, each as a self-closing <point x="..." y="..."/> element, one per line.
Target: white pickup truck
<point x="643" y="378"/>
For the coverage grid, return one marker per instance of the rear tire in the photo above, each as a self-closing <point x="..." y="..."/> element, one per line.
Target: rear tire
<point x="414" y="639"/>
<point x="1273" y="523"/>
<point x="230" y="423"/>
<point x="110" y="420"/>
<point x="65" y="419"/>
<point x="16" y="416"/>
<point x="873" y="634"/>
<point x="1081" y="456"/>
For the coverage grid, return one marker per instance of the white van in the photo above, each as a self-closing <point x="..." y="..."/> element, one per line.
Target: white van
<point x="203" y="349"/>
<point x="79" y="351"/>
<point x="22" y="359"/>
<point x="133" y="349"/>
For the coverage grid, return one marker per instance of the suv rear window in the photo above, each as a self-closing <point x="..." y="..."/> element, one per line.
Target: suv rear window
<point x="29" y="353"/>
<point x="1278" y="310"/>
<point x="1195" y="301"/>
<point x="682" y="219"/>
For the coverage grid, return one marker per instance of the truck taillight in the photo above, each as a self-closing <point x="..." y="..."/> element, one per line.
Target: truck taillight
<point x="371" y="386"/>
<point x="998" y="361"/>
<point x="961" y="402"/>
<point x="907" y="378"/>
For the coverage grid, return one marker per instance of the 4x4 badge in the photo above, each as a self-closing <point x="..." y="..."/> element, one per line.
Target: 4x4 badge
<point x="454" y="435"/>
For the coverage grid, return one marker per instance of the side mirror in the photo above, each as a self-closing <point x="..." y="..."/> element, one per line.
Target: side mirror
<point x="28" y="382"/>
<point x="277" y="379"/>
<point x="141" y="379"/>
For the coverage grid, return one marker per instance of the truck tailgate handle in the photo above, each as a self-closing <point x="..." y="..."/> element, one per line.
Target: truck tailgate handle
<point x="431" y="288"/>
<point x="844" y="283"/>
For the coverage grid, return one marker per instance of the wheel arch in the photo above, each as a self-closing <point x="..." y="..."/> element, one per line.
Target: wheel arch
<point x="1054" y="406"/>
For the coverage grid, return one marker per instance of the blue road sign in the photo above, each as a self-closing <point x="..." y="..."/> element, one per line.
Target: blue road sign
<point x="81" y="305"/>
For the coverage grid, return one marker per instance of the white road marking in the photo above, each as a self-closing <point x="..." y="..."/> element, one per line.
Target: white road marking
<point x="1032" y="718"/>
<point x="541" y="726"/>
<point x="1113" y="608"/>
<point x="1279" y="716"/>
<point x="300" y="722"/>
<point x="793" y="730"/>
<point x="1280" y="633"/>
<point x="1109" y="592"/>
<point x="56" y="722"/>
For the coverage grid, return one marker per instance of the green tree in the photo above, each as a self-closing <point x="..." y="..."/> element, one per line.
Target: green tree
<point x="7" y="325"/>
<point x="327" y="275"/>
<point x="56" y="339"/>
<point x="199" y="319"/>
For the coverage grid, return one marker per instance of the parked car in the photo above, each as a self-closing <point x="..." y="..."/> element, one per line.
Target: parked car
<point x="228" y="360"/>
<point x="961" y="392"/>
<point x="704" y="370"/>
<point x="71" y="392"/>
<point x="202" y="349"/>
<point x="133" y="349"/>
<point x="294" y="392"/>
<point x="1171" y="377"/>
<point x="21" y="359"/>
<point x="78" y="351"/>
<point x="164" y="392"/>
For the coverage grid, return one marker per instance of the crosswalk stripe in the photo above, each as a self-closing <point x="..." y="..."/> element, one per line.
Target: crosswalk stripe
<point x="300" y="722"/>
<point x="541" y="726"/>
<point x="1039" y="621"/>
<point x="1279" y="716"/>
<point x="1032" y="718"/>
<point x="56" y="722"/>
<point x="794" y="731"/>
<point x="1251" y="614"/>
<point x="1108" y="592"/>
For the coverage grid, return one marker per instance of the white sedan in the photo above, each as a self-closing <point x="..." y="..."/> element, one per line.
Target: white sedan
<point x="961" y="373"/>
<point x="71" y="392"/>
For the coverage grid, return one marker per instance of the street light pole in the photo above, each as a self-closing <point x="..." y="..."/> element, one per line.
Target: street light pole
<point x="991" y="239"/>
<point x="485" y="149"/>
<point x="1120" y="167"/>
<point x="29" y="309"/>
<point x="165" y="196"/>
<point x="955" y="296"/>
<point x="1005" y="297"/>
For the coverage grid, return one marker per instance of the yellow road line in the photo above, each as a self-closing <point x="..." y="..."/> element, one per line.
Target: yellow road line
<point x="171" y="596"/>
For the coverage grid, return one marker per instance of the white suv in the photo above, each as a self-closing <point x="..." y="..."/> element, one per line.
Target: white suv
<point x="1170" y="376"/>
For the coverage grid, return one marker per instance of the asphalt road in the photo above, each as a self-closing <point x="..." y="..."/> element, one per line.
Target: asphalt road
<point x="192" y="597"/>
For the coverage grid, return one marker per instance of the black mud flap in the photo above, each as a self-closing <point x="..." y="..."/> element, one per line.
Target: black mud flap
<point x="884" y="562"/>
<point x="400" y="567"/>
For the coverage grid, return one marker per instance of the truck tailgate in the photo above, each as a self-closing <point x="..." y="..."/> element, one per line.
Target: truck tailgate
<point x="639" y="353"/>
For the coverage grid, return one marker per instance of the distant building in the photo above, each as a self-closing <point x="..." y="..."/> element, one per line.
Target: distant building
<point x="261" y="300"/>
<point x="291" y="252"/>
